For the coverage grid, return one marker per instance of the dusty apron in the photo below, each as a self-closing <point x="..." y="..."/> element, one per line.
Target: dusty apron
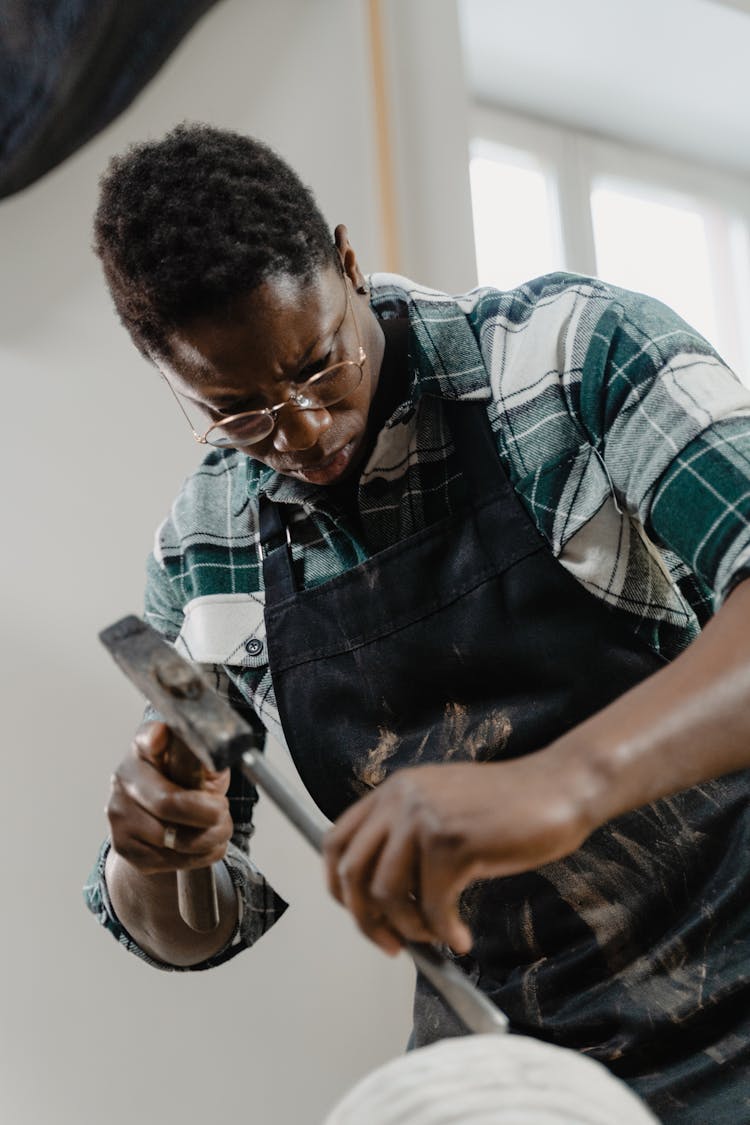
<point x="469" y="641"/>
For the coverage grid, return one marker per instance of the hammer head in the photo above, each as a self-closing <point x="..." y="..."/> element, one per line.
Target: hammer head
<point x="187" y="702"/>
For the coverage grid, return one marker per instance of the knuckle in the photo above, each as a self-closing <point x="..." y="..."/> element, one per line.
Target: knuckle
<point x="140" y="746"/>
<point x="115" y="811"/>
<point x="164" y="806"/>
<point x="439" y="834"/>
<point x="403" y="785"/>
<point x="350" y="873"/>
<point x="412" y="796"/>
<point x="117" y="783"/>
<point x="389" y="898"/>
<point x="201" y="843"/>
<point x="330" y="845"/>
<point x="218" y="853"/>
<point x="346" y="873"/>
<point x="366" y="924"/>
<point x="379" y="893"/>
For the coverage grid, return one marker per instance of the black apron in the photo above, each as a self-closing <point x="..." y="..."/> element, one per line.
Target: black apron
<point x="470" y="641"/>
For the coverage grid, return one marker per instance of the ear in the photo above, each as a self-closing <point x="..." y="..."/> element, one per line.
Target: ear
<point x="348" y="257"/>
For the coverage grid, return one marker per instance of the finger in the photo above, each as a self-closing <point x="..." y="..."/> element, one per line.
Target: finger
<point x="194" y="842"/>
<point x="142" y="840"/>
<point x="395" y="886"/>
<point x="354" y="864"/>
<point x="144" y="786"/>
<point x="440" y="887"/>
<point x="152" y="735"/>
<point x="155" y="742"/>
<point x="349" y="822"/>
<point x="337" y="839"/>
<point x="158" y="861"/>
<point x="352" y="884"/>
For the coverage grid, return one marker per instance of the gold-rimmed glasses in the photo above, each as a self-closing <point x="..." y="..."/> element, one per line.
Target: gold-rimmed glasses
<point x="323" y="389"/>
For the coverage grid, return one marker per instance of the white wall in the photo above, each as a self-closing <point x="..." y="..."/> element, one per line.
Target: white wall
<point x="92" y="451"/>
<point x="429" y="109"/>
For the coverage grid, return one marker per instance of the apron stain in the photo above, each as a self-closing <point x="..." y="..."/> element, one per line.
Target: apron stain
<point x="482" y="744"/>
<point x="456" y="739"/>
<point x="643" y="937"/>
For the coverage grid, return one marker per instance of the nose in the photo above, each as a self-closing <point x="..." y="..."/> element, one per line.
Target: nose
<point x="299" y="429"/>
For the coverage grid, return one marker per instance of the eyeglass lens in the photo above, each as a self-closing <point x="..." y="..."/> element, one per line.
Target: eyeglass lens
<point x="322" y="390"/>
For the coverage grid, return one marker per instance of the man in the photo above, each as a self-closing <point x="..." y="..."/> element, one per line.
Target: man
<point x="455" y="553"/>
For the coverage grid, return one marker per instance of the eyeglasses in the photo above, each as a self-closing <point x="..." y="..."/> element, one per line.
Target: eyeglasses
<point x="323" y="389"/>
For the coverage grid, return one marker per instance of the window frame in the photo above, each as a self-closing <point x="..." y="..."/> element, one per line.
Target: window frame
<point x="578" y="159"/>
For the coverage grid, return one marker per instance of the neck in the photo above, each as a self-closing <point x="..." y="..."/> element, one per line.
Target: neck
<point x="394" y="371"/>
<point x="391" y="391"/>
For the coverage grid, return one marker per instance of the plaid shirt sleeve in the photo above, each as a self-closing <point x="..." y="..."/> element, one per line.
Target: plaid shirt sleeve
<point x="673" y="425"/>
<point x="710" y="479"/>
<point x="259" y="906"/>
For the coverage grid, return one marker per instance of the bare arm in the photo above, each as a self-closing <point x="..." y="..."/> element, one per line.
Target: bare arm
<point x="438" y="828"/>
<point x="140" y="871"/>
<point x="686" y="724"/>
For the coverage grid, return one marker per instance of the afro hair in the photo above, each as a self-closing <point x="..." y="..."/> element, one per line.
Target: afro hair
<point x="188" y="224"/>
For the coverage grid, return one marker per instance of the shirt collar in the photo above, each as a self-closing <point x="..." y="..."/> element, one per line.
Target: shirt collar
<point x="443" y="350"/>
<point x="280" y="488"/>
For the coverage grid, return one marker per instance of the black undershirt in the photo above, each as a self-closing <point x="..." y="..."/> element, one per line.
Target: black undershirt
<point x="391" y="391"/>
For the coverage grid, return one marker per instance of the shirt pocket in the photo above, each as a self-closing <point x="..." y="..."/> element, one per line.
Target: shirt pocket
<point x="225" y="629"/>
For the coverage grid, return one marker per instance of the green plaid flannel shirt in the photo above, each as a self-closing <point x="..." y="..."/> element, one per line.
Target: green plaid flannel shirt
<point x="623" y="433"/>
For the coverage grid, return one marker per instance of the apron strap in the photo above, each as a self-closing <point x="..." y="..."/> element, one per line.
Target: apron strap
<point x="477" y="453"/>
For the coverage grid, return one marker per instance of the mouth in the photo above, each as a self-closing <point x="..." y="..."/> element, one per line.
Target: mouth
<point x="330" y="468"/>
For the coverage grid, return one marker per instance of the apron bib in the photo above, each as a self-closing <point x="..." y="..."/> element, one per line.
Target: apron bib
<point x="469" y="641"/>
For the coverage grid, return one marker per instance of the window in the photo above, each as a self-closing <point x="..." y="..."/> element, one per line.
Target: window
<point x="656" y="244"/>
<point x="517" y="228"/>
<point x="546" y="198"/>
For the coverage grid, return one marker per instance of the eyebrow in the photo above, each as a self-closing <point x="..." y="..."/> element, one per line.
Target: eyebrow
<point x="224" y="402"/>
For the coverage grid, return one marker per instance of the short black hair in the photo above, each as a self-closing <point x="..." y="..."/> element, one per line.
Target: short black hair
<point x="187" y="225"/>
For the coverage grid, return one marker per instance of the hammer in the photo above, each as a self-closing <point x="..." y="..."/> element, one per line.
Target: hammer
<point x="218" y="737"/>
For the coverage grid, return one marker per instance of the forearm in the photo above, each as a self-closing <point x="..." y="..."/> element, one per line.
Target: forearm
<point x="687" y="723"/>
<point x="146" y="905"/>
<point x="458" y="822"/>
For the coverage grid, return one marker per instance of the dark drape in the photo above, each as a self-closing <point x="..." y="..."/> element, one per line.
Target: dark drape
<point x="68" y="67"/>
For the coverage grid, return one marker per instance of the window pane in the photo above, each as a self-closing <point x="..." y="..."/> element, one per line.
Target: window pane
<point x="656" y="244"/>
<point x="516" y="226"/>
<point x="738" y="354"/>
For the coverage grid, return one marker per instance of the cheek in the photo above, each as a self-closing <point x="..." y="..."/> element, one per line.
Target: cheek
<point x="362" y="401"/>
<point x="262" y="451"/>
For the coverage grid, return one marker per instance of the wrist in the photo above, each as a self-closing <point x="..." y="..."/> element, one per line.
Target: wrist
<point x="588" y="775"/>
<point x="146" y="906"/>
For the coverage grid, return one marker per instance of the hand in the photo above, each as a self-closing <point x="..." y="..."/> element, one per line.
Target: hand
<point x="144" y="803"/>
<point x="399" y="858"/>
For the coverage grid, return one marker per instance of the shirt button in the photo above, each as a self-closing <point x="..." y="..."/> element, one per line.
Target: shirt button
<point x="254" y="647"/>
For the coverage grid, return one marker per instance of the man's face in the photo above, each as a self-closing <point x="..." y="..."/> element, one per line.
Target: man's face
<point x="278" y="336"/>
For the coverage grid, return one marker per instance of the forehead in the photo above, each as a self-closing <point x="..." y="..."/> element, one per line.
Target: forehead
<point x="271" y="333"/>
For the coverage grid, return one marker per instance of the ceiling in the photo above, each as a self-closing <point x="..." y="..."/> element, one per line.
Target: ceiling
<point x="672" y="75"/>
